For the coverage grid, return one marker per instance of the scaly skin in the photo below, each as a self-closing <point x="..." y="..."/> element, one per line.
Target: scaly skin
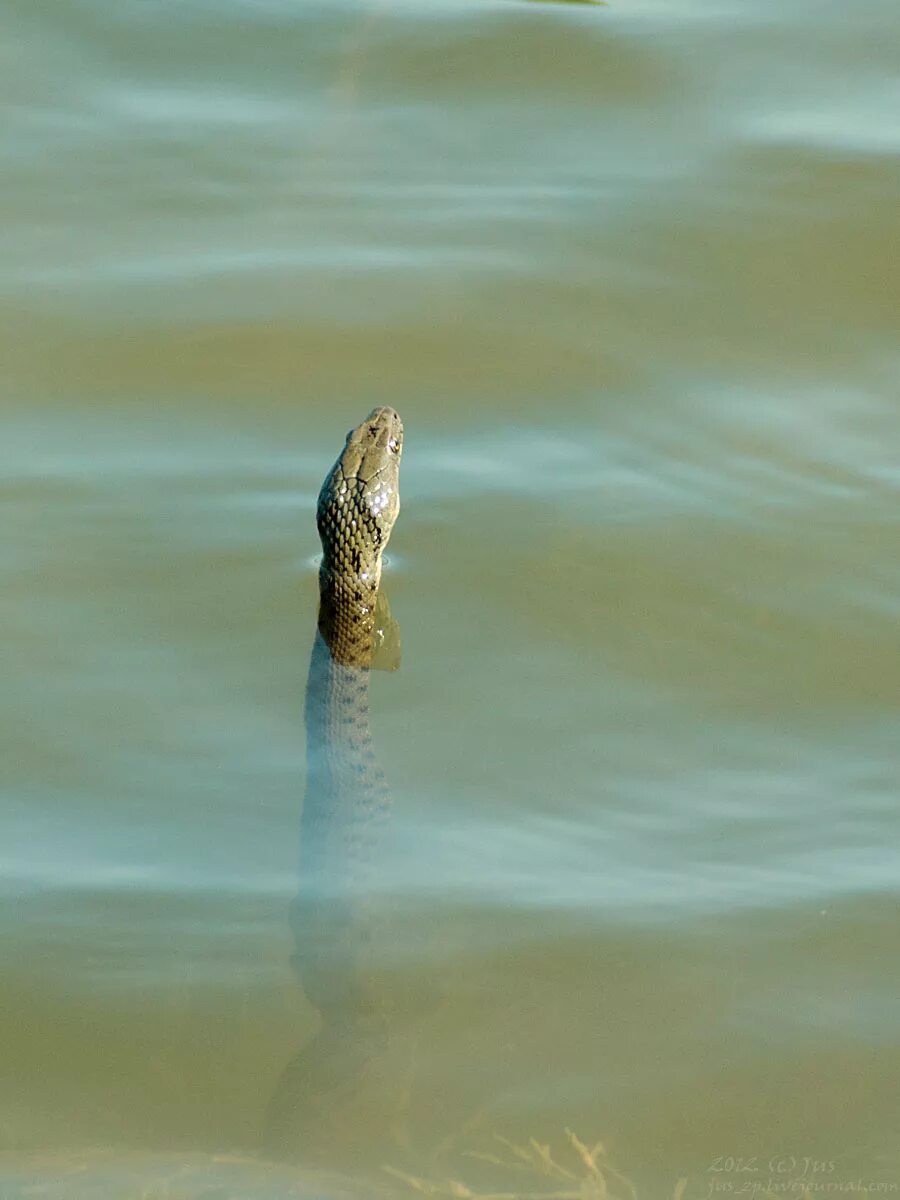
<point x="358" y="505"/>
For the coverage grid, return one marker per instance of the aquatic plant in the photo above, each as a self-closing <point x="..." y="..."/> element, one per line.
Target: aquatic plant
<point x="583" y="1173"/>
<point x="596" y="3"/>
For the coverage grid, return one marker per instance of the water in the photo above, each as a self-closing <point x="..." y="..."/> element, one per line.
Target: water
<point x="629" y="273"/>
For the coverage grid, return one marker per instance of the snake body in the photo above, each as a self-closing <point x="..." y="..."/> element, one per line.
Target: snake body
<point x="346" y="803"/>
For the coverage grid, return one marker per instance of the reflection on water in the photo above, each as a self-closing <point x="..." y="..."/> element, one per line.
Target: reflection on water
<point x="629" y="272"/>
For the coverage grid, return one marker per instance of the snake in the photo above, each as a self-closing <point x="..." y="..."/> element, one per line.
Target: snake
<point x="346" y="805"/>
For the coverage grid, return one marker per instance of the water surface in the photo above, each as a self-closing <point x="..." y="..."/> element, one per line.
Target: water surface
<point x="629" y="273"/>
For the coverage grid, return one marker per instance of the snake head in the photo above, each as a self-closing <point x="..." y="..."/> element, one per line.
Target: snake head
<point x="360" y="499"/>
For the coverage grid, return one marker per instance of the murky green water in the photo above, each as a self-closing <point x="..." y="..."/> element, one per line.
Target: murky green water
<point x="630" y="275"/>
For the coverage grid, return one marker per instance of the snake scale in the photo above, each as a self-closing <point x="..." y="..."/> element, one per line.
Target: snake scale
<point x="315" y="1110"/>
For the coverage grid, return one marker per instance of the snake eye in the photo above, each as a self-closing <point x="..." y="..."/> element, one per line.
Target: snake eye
<point x="394" y="444"/>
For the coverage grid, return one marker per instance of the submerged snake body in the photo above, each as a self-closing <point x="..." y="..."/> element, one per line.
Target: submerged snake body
<point x="346" y="803"/>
